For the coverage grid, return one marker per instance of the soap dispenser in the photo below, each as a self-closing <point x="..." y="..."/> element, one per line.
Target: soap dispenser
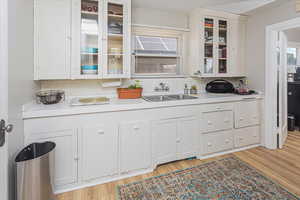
<point x="186" y="89"/>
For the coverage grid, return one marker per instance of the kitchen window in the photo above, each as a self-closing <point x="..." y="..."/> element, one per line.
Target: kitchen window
<point x="157" y="55"/>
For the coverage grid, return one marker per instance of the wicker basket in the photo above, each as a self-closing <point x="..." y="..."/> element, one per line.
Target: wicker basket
<point x="126" y="93"/>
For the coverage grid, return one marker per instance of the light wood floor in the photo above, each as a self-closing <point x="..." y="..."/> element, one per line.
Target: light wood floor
<point x="281" y="165"/>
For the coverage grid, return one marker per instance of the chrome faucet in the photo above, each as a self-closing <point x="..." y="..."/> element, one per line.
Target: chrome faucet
<point x="163" y="87"/>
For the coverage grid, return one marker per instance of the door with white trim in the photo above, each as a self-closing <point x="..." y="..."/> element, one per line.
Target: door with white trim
<point x="282" y="96"/>
<point x="3" y="100"/>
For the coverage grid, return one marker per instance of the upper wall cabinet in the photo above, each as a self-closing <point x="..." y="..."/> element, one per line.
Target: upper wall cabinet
<point x="82" y="39"/>
<point x="217" y="44"/>
<point x="52" y="29"/>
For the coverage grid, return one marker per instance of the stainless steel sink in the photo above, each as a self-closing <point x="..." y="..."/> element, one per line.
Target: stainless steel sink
<point x="162" y="98"/>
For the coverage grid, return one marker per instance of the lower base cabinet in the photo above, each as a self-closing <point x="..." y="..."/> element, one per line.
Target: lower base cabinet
<point x="65" y="157"/>
<point x="188" y="137"/>
<point x="164" y="144"/>
<point x="135" y="146"/>
<point x="247" y="136"/>
<point x="99" y="151"/>
<point x="175" y="139"/>
<point x="88" y="152"/>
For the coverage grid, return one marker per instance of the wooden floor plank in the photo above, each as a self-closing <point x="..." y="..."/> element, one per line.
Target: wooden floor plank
<point x="282" y="166"/>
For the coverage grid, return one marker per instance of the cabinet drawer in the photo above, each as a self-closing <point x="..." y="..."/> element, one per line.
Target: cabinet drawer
<point x="247" y="113"/>
<point x="218" y="107"/>
<point x="216" y="142"/>
<point x="247" y="136"/>
<point x="216" y="121"/>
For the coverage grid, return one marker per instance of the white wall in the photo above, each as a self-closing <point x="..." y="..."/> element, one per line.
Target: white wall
<point x="20" y="71"/>
<point x="255" y="50"/>
<point x="159" y="18"/>
<point x="293" y="35"/>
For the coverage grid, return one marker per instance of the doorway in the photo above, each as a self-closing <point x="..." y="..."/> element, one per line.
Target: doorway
<point x="293" y="70"/>
<point x="276" y="87"/>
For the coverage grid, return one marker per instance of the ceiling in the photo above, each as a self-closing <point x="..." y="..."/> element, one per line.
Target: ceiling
<point x="233" y="6"/>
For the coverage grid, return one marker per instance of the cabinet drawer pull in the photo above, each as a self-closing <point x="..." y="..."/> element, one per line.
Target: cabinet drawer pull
<point x="136" y="128"/>
<point x="178" y="140"/>
<point x="100" y="132"/>
<point x="241" y="119"/>
<point x="209" y="123"/>
<point x="241" y="139"/>
<point x="227" y="141"/>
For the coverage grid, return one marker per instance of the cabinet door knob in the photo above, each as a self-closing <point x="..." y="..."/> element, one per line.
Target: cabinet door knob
<point x="178" y="140"/>
<point x="209" y="144"/>
<point x="241" y="118"/>
<point x="136" y="128"/>
<point x="209" y="123"/>
<point x="227" y="141"/>
<point x="226" y="120"/>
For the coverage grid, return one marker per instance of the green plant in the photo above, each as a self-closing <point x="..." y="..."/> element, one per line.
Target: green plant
<point x="194" y="87"/>
<point x="136" y="85"/>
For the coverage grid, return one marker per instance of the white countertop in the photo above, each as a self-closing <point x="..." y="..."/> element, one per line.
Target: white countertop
<point x="34" y="110"/>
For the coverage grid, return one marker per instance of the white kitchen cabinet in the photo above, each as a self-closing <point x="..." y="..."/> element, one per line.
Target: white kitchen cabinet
<point x="246" y="136"/>
<point x="135" y="146"/>
<point x="216" y="121"/>
<point x="99" y="151"/>
<point x="175" y="139"/>
<point x="247" y="113"/>
<point x="164" y="141"/>
<point x="217" y="142"/>
<point x="52" y="45"/>
<point x="82" y="39"/>
<point x="188" y="137"/>
<point x="101" y="39"/>
<point x="215" y="51"/>
<point x="65" y="162"/>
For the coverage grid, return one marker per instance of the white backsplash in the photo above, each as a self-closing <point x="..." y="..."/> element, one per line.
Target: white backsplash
<point x="94" y="87"/>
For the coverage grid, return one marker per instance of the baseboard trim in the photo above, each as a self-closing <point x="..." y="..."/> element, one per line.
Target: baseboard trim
<point x="228" y="152"/>
<point x="102" y="181"/>
<point x="137" y="173"/>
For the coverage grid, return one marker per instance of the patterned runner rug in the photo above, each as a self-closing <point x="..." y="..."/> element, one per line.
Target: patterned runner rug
<point x="225" y="179"/>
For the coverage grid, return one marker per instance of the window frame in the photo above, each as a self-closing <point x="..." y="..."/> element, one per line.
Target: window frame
<point x="159" y="32"/>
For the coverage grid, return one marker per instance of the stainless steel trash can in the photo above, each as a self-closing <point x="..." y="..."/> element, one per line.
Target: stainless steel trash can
<point x="33" y="172"/>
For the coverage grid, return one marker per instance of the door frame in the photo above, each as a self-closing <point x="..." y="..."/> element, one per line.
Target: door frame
<point x="272" y="31"/>
<point x="4" y="90"/>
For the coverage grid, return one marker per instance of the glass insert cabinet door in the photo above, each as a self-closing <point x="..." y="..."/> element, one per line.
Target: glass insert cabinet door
<point x="209" y="43"/>
<point x="222" y="49"/>
<point x="115" y="39"/>
<point x="101" y="39"/>
<point x="90" y="37"/>
<point x="117" y="34"/>
<point x="215" y="46"/>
